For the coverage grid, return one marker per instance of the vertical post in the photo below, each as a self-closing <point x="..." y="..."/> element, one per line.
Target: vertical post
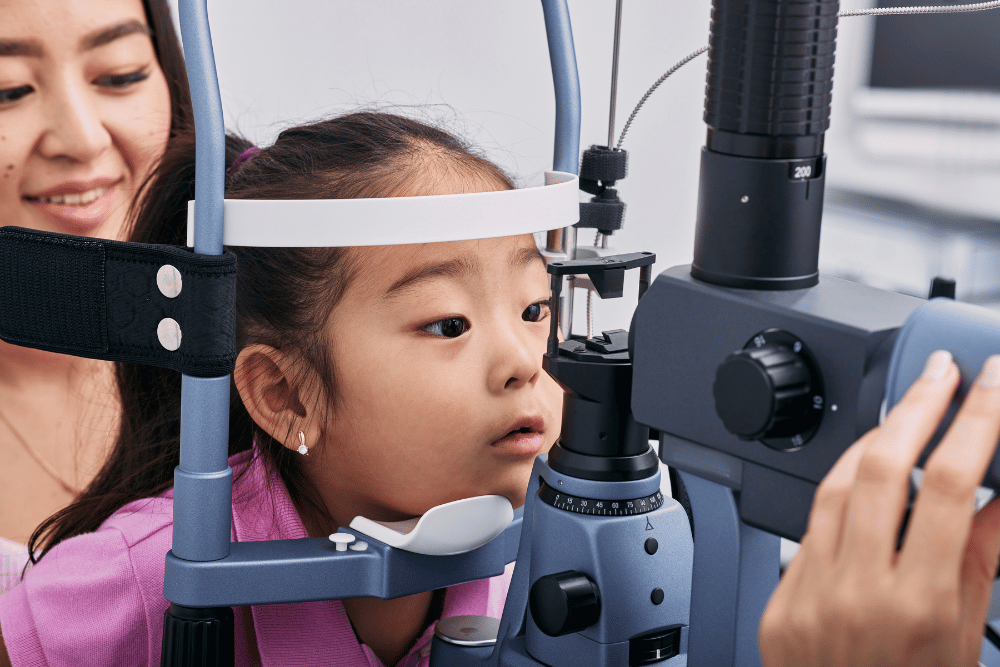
<point x="553" y="342"/>
<point x="735" y="571"/>
<point x="566" y="79"/>
<point x="203" y="480"/>
<point x="614" y="76"/>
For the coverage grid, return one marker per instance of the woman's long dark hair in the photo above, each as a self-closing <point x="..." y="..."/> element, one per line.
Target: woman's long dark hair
<point x="284" y="296"/>
<point x="171" y="59"/>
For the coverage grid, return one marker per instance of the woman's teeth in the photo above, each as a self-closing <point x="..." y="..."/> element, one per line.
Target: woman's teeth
<point x="74" y="199"/>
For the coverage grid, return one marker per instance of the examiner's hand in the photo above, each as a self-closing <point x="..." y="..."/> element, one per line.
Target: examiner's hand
<point x="849" y="599"/>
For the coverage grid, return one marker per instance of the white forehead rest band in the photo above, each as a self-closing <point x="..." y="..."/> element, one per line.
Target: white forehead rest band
<point x="327" y="223"/>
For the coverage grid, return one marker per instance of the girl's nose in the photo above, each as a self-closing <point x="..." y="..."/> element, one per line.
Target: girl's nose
<point x="75" y="127"/>
<point x="518" y="360"/>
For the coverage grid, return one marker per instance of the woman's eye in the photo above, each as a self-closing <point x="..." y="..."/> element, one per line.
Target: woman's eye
<point x="122" y="80"/>
<point x="536" y="312"/>
<point x="14" y="94"/>
<point x="449" y="327"/>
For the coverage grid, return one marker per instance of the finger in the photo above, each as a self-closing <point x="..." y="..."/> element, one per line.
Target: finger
<point x="978" y="571"/>
<point x="942" y="514"/>
<point x="830" y="502"/>
<point x="881" y="488"/>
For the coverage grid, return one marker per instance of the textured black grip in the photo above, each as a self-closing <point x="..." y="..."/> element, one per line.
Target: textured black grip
<point x="198" y="637"/>
<point x="770" y="76"/>
<point x="99" y="299"/>
<point x="600" y="164"/>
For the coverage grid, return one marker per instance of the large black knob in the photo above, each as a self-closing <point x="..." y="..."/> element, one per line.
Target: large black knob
<point x="764" y="392"/>
<point x="564" y="603"/>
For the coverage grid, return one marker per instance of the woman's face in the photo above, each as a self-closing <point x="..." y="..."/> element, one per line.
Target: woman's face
<point x="441" y="393"/>
<point x="84" y="112"/>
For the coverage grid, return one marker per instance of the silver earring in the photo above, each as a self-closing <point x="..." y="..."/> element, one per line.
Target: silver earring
<point x="303" y="450"/>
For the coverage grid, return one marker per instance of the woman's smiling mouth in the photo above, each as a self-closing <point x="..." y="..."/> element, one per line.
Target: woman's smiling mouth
<point x="72" y="199"/>
<point x="77" y="206"/>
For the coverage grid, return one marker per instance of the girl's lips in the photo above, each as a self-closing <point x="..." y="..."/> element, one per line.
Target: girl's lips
<point x="76" y="210"/>
<point x="521" y="444"/>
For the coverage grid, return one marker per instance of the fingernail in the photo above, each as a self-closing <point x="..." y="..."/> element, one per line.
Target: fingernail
<point x="990" y="375"/>
<point x="937" y="365"/>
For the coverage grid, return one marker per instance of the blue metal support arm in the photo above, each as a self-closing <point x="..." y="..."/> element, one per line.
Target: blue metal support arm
<point x="203" y="480"/>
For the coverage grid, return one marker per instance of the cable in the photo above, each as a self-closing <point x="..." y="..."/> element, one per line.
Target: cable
<point x="879" y="11"/>
<point x="938" y="9"/>
<point x="654" y="87"/>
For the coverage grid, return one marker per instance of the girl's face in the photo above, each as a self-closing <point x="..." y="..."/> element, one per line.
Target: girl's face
<point x="84" y="112"/>
<point x="441" y="394"/>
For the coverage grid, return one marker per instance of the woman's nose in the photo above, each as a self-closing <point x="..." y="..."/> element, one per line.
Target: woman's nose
<point x="75" y="127"/>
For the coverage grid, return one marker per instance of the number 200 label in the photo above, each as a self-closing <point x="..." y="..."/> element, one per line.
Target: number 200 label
<point x="803" y="172"/>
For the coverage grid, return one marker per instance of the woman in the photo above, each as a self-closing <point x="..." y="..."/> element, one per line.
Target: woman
<point x="90" y="93"/>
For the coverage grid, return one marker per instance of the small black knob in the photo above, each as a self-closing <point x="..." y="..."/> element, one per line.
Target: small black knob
<point x="564" y="603"/>
<point x="764" y="392"/>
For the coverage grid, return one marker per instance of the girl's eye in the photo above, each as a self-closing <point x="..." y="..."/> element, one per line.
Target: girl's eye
<point x="536" y="312"/>
<point x="122" y="80"/>
<point x="449" y="327"/>
<point x="14" y="94"/>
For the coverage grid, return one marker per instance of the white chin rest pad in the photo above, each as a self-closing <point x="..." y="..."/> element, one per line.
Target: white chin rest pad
<point x="445" y="530"/>
<point x="331" y="223"/>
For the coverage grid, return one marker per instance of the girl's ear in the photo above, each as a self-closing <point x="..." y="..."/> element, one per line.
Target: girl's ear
<point x="272" y="387"/>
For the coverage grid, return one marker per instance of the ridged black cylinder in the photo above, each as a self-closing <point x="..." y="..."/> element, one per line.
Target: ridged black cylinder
<point x="767" y="105"/>
<point x="770" y="77"/>
<point x="196" y="637"/>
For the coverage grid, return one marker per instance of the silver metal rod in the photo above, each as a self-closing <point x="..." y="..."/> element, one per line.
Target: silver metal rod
<point x="566" y="307"/>
<point x="614" y="75"/>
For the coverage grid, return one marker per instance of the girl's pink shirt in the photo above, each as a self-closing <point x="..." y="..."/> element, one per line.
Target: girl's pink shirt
<point x="97" y="599"/>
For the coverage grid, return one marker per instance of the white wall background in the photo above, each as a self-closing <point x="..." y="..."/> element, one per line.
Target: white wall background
<point x="481" y="69"/>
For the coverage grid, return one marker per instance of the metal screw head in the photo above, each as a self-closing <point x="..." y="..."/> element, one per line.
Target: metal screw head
<point x="168" y="279"/>
<point x="744" y="199"/>
<point x="169" y="333"/>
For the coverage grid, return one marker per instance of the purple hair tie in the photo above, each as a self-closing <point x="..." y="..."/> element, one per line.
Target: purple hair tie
<point x="244" y="157"/>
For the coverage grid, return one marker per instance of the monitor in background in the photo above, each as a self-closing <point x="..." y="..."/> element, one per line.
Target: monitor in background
<point x="917" y="108"/>
<point x="913" y="179"/>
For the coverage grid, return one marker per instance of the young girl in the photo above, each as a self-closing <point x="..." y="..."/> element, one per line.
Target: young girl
<point x="412" y="375"/>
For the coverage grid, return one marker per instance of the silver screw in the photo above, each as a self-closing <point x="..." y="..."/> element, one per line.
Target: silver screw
<point x="744" y="199"/>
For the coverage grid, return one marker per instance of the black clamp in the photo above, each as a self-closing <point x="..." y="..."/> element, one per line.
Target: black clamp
<point x="157" y="305"/>
<point x="600" y="168"/>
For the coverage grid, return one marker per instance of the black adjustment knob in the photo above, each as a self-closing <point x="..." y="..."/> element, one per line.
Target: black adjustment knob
<point x="764" y="392"/>
<point x="564" y="603"/>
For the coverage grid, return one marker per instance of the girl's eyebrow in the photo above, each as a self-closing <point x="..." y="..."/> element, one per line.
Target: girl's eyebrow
<point x="32" y="48"/>
<point x="452" y="268"/>
<point x="524" y="256"/>
<point x="457" y="268"/>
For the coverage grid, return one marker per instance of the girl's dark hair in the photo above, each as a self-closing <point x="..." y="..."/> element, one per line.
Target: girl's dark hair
<point x="283" y="297"/>
<point x="171" y="59"/>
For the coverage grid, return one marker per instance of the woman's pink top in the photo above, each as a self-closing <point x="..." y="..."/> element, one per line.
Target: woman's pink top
<point x="97" y="599"/>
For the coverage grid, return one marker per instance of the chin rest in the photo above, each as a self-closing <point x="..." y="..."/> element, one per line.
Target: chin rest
<point x="453" y="528"/>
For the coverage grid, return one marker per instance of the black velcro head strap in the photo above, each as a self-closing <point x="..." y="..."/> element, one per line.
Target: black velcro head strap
<point x="148" y="304"/>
